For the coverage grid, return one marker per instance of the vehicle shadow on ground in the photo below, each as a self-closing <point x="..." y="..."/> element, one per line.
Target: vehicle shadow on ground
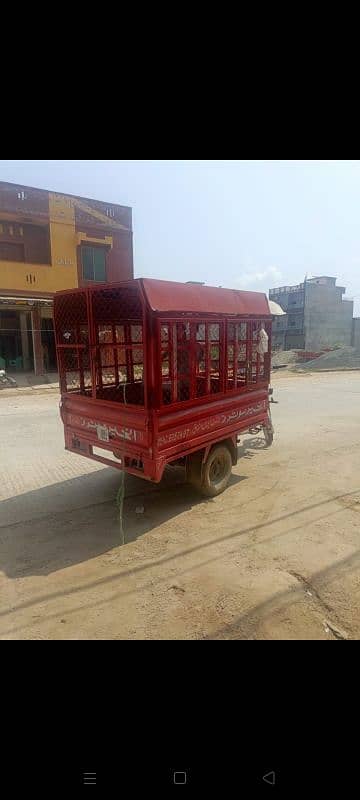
<point x="56" y="536"/>
<point x="243" y="627"/>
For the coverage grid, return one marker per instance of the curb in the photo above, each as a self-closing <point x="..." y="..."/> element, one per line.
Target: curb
<point x="28" y="390"/>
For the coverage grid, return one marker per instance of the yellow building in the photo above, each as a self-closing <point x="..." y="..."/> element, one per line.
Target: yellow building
<point x="50" y="242"/>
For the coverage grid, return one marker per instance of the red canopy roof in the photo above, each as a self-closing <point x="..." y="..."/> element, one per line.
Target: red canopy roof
<point x="177" y="298"/>
<point x="171" y="297"/>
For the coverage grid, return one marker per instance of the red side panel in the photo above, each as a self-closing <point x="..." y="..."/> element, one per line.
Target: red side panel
<point x="84" y="416"/>
<point x="180" y="431"/>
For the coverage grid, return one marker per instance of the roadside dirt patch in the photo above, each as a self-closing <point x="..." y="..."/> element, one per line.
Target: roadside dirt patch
<point x="277" y="556"/>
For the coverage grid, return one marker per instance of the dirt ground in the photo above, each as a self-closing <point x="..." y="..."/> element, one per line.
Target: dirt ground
<point x="277" y="556"/>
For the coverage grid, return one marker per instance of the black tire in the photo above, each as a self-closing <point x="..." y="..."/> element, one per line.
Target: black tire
<point x="269" y="436"/>
<point x="194" y="466"/>
<point x="216" y="471"/>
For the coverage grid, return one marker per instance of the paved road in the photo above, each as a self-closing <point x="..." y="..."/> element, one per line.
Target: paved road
<point x="276" y="556"/>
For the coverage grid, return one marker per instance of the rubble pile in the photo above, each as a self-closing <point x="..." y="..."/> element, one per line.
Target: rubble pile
<point x="281" y="358"/>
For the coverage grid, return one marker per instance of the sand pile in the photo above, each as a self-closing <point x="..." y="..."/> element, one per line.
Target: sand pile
<point x="342" y="358"/>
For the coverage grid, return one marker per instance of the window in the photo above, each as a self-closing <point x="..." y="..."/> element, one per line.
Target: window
<point x="11" y="252"/>
<point x="13" y="230"/>
<point x="93" y="261"/>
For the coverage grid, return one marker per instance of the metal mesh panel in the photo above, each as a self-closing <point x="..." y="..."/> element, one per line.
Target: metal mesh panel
<point x="238" y="349"/>
<point x="245" y="365"/>
<point x="166" y="363"/>
<point x="119" y="354"/>
<point x="70" y="315"/>
<point x="191" y="360"/>
<point x="72" y="342"/>
<point x="238" y="354"/>
<point x="115" y="306"/>
<point x="112" y="348"/>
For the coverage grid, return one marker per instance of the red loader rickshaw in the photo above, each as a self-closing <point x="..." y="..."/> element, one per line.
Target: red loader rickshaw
<point x="155" y="373"/>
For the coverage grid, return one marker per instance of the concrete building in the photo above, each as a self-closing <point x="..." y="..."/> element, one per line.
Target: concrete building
<point x="317" y="315"/>
<point x="50" y="242"/>
<point x="356" y="333"/>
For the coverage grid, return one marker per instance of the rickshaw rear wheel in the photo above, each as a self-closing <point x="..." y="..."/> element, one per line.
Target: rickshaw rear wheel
<point x="269" y="436"/>
<point x="216" y="471"/>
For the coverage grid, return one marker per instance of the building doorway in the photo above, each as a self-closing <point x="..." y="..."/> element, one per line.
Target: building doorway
<point x="10" y="340"/>
<point x="16" y="347"/>
<point x="48" y="345"/>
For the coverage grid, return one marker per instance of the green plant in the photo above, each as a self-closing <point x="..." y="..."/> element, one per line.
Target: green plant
<point x="120" y="504"/>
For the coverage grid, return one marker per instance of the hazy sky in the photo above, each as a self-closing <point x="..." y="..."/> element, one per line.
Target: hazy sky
<point x="243" y="224"/>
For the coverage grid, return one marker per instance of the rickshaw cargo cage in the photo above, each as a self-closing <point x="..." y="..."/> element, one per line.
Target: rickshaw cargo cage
<point x="155" y="373"/>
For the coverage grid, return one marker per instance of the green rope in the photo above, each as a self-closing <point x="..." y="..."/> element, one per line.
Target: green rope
<point x="120" y="504"/>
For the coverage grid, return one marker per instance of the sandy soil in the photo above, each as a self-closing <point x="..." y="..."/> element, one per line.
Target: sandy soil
<point x="275" y="557"/>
